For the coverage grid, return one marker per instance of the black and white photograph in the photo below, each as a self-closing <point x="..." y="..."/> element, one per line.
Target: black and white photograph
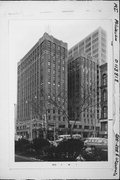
<point x="60" y="85"/>
<point x="61" y="107"/>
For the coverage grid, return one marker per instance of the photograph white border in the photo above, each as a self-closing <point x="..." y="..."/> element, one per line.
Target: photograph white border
<point x="61" y="10"/>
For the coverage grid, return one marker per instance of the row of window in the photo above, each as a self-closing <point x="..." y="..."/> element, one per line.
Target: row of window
<point x="52" y="46"/>
<point x="60" y="126"/>
<point x="83" y="127"/>
<point x="54" y="118"/>
<point x="32" y="57"/>
<point x="77" y="64"/>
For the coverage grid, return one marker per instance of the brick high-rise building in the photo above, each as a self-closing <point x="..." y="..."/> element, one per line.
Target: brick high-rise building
<point x="82" y="95"/>
<point x="42" y="75"/>
<point x="92" y="46"/>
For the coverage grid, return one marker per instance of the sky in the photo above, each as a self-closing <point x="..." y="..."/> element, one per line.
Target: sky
<point x="24" y="33"/>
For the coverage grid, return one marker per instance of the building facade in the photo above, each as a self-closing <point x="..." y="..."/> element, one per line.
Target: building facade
<point x="95" y="46"/>
<point x="104" y="101"/>
<point x="82" y="95"/>
<point x="42" y="84"/>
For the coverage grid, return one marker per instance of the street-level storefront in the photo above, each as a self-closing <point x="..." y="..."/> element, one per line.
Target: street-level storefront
<point x="104" y="128"/>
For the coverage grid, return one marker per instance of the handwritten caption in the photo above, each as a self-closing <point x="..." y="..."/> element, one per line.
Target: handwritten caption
<point x="116" y="22"/>
<point x="116" y="155"/>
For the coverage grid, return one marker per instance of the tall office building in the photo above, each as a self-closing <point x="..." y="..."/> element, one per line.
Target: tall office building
<point x="82" y="95"/>
<point x="42" y="81"/>
<point x="93" y="46"/>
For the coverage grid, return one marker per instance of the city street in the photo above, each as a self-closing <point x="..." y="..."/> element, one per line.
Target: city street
<point x="19" y="158"/>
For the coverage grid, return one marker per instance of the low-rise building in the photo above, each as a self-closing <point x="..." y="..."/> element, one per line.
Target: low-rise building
<point x="104" y="100"/>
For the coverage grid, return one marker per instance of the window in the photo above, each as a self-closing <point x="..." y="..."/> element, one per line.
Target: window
<point x="104" y="95"/>
<point x="58" y="67"/>
<point x="53" y="110"/>
<point x="63" y="118"/>
<point x="88" y="39"/>
<point x="59" y="111"/>
<point x="104" y="78"/>
<point x="104" y="112"/>
<point x="49" y="70"/>
<point x="87" y="50"/>
<point x="88" y="45"/>
<point x="81" y="44"/>
<point x="95" y="51"/>
<point x="104" y="126"/>
<point x="86" y="127"/>
<point x="49" y="117"/>
<point x="48" y="110"/>
<point x="61" y="126"/>
<point x="59" y="118"/>
<point x="75" y="126"/>
<point x="95" y="35"/>
<point x="95" y="40"/>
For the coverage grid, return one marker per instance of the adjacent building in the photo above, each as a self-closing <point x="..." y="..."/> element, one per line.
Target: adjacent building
<point x="92" y="49"/>
<point x="42" y="81"/>
<point x="82" y="95"/>
<point x="95" y="45"/>
<point x="57" y="88"/>
<point x="104" y="101"/>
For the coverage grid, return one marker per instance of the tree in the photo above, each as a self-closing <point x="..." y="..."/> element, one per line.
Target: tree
<point x="87" y="97"/>
<point x="39" y="144"/>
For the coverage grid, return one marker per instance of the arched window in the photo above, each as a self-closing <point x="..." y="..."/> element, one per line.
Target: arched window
<point x="104" y="112"/>
<point x="104" y="95"/>
<point x="104" y="78"/>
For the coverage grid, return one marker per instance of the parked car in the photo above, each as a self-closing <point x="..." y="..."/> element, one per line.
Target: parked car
<point x="76" y="136"/>
<point x="64" y="136"/>
<point x="17" y="137"/>
<point x="96" y="142"/>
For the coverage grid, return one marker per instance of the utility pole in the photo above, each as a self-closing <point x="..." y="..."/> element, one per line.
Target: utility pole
<point x="54" y="130"/>
<point x="44" y="126"/>
<point x="30" y="123"/>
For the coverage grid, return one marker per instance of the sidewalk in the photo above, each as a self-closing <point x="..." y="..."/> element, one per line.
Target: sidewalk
<point x="20" y="158"/>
